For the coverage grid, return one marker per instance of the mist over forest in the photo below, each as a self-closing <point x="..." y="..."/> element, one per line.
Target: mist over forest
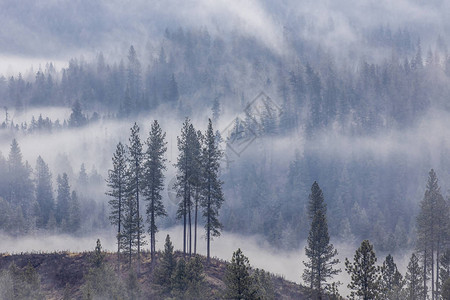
<point x="353" y="96"/>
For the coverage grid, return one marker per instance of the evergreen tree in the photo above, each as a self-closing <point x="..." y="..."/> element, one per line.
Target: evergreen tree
<point x="320" y="252"/>
<point x="432" y="224"/>
<point x="365" y="276"/>
<point x="391" y="280"/>
<point x="237" y="278"/>
<point x="316" y="201"/>
<point x="117" y="183"/>
<point x="134" y="81"/>
<point x="74" y="213"/>
<point x="195" y="278"/>
<point x="77" y="118"/>
<point x="44" y="192"/>
<point x="164" y="271"/>
<point x="198" y="182"/>
<point x="188" y="168"/>
<point x="20" y="186"/>
<point x="212" y="195"/>
<point x="132" y="228"/>
<point x="63" y="201"/>
<point x="134" y="183"/>
<point x="153" y="180"/>
<point x="179" y="280"/>
<point x="446" y="290"/>
<point x="414" y="280"/>
<point x="101" y="282"/>
<point x="444" y="272"/>
<point x="263" y="285"/>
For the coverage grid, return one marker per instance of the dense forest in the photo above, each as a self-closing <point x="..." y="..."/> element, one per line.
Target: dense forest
<point x="229" y="124"/>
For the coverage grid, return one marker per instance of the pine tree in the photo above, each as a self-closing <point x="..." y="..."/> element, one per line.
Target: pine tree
<point x="179" y="280"/>
<point x="77" y="118"/>
<point x="132" y="228"/>
<point x="117" y="183"/>
<point x="187" y="165"/>
<point x="237" y="278"/>
<point x="212" y="195"/>
<point x="320" y="252"/>
<point x="444" y="272"/>
<point x="44" y="192"/>
<point x="74" y="213"/>
<point x="414" y="280"/>
<point x="134" y="80"/>
<point x="153" y="180"/>
<point x="391" y="279"/>
<point x="134" y="183"/>
<point x="365" y="276"/>
<point x="316" y="201"/>
<point x="198" y="183"/>
<point x="164" y="271"/>
<point x="20" y="186"/>
<point x="432" y="224"/>
<point x="195" y="278"/>
<point x="63" y="201"/>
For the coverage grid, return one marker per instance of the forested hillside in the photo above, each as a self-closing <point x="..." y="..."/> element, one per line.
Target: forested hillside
<point x="226" y="117"/>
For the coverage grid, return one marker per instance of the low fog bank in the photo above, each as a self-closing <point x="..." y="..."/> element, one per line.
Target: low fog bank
<point x="288" y="264"/>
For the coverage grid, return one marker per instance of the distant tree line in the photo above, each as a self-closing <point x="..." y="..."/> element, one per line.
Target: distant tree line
<point x="28" y="202"/>
<point x="192" y="67"/>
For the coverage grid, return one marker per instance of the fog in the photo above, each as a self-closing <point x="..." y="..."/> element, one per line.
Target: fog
<point x="372" y="180"/>
<point x="288" y="264"/>
<point x="75" y="28"/>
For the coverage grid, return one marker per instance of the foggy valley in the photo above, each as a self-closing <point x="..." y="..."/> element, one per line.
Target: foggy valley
<point x="149" y="143"/>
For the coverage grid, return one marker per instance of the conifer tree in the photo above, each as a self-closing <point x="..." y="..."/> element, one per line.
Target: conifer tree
<point x="117" y="183"/>
<point x="132" y="228"/>
<point x="77" y="118"/>
<point x="187" y="165"/>
<point x="179" y="280"/>
<point x="414" y="280"/>
<point x="212" y="195"/>
<point x="391" y="279"/>
<point x="365" y="275"/>
<point x="320" y="252"/>
<point x="20" y="186"/>
<point x="63" y="201"/>
<point x="153" y="180"/>
<point x="432" y="224"/>
<point x="197" y="182"/>
<point x="134" y="183"/>
<point x="444" y="273"/>
<point x="44" y="192"/>
<point x="164" y="271"/>
<point x="74" y="213"/>
<point x="237" y="278"/>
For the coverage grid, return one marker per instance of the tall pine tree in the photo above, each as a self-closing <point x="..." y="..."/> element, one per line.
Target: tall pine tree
<point x="414" y="280"/>
<point x="365" y="275"/>
<point x="135" y="173"/>
<point x="321" y="254"/>
<point x="117" y="183"/>
<point x="44" y="192"/>
<point x="153" y="180"/>
<point x="63" y="201"/>
<point x="187" y="165"/>
<point x="212" y="195"/>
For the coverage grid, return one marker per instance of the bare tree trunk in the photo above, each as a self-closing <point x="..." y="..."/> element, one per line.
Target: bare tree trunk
<point x="425" y="292"/>
<point x="138" y="226"/>
<point x="195" y="226"/>
<point x="190" y="225"/>
<point x="432" y="272"/>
